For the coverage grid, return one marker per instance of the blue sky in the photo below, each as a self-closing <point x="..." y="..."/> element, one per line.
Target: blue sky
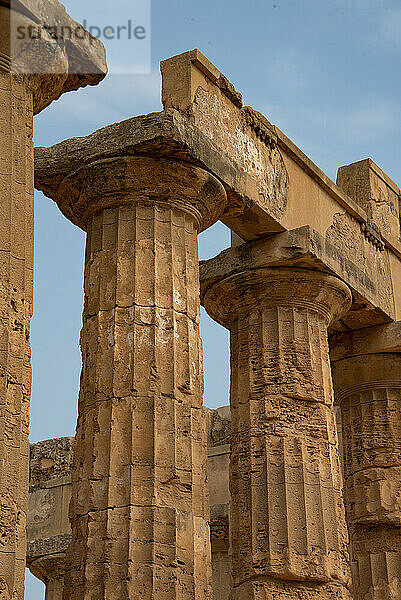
<point x="327" y="73"/>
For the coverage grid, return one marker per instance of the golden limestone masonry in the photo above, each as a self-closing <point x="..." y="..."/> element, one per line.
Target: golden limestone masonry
<point x="31" y="77"/>
<point x="293" y="491"/>
<point x="139" y="510"/>
<point x="287" y="515"/>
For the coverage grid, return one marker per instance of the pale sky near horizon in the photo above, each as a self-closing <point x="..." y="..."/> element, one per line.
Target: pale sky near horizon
<point x="326" y="72"/>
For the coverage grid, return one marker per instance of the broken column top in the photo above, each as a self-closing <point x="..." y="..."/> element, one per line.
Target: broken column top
<point x="42" y="43"/>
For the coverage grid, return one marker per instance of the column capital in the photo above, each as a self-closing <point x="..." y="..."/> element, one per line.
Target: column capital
<point x="49" y="568"/>
<point x="271" y="287"/>
<point x="128" y="180"/>
<point x="366" y="373"/>
<point x="49" y="51"/>
<point x="368" y="340"/>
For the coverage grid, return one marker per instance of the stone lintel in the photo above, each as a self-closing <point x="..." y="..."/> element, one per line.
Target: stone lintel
<point x="271" y="185"/>
<point x="171" y="134"/>
<point x="196" y="89"/>
<point x="305" y="248"/>
<point x="369" y="340"/>
<point x="316" y="174"/>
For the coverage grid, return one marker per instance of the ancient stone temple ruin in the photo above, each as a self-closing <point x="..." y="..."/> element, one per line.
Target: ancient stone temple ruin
<point x="293" y="491"/>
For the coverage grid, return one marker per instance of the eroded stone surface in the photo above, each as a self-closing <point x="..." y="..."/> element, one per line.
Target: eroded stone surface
<point x="288" y="519"/>
<point x="368" y="390"/>
<point x="46" y="67"/>
<point x="375" y="192"/>
<point x="21" y="96"/>
<point x="16" y="274"/>
<point x="139" y="508"/>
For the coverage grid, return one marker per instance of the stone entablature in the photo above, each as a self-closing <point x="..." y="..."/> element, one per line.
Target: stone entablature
<point x="48" y="526"/>
<point x="205" y="124"/>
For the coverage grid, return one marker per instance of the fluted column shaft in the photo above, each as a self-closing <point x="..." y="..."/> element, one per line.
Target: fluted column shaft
<point x="139" y="510"/>
<point x="33" y="72"/>
<point x="287" y="516"/>
<point x="16" y="290"/>
<point x="368" y="390"/>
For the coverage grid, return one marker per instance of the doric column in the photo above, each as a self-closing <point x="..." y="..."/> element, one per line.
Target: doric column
<point x="140" y="507"/>
<point x="289" y="537"/>
<point x="22" y="95"/>
<point x="368" y="390"/>
<point x="16" y="289"/>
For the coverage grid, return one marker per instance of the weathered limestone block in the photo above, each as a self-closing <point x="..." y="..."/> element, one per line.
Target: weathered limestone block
<point x="288" y="529"/>
<point x="48" y="527"/>
<point x="368" y="390"/>
<point x="22" y="95"/>
<point x="139" y="509"/>
<point x="376" y="193"/>
<point x="193" y="86"/>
